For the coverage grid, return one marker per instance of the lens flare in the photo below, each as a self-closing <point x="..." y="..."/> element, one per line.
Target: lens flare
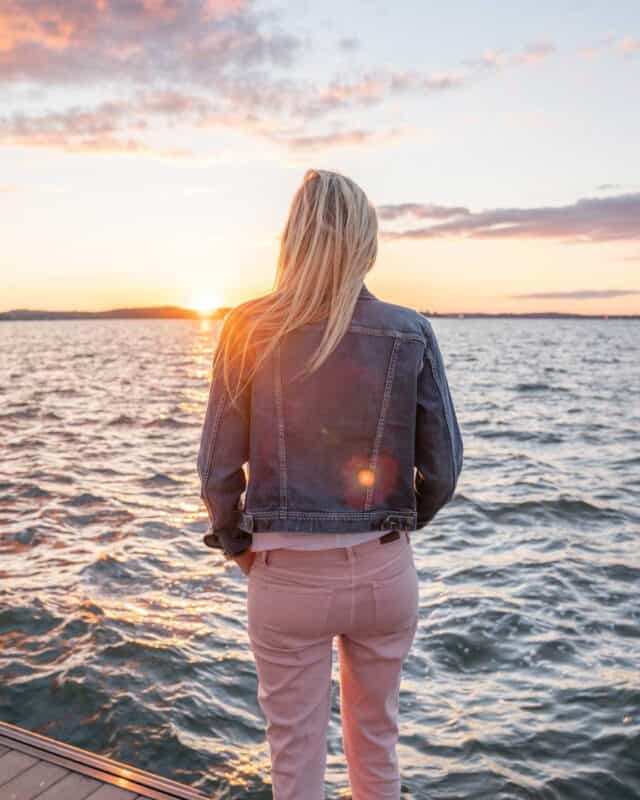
<point x="366" y="477"/>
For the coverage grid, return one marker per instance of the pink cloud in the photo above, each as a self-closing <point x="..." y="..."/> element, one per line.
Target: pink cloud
<point x="534" y="53"/>
<point x="120" y="126"/>
<point x="600" y="219"/>
<point x="341" y="139"/>
<point x="629" y="45"/>
<point x="148" y="40"/>
<point x="110" y="127"/>
<point x="497" y="59"/>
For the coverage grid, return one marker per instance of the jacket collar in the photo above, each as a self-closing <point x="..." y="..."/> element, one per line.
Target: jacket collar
<point x="365" y="294"/>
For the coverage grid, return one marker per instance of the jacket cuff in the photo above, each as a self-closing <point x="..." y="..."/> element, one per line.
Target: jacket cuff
<point x="232" y="542"/>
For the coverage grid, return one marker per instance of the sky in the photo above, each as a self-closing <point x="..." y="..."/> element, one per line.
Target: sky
<point x="150" y="149"/>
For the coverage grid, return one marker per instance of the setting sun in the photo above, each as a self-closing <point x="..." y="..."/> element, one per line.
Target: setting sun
<point x="205" y="302"/>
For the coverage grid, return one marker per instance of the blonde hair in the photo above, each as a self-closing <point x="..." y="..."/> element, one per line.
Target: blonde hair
<point x="329" y="243"/>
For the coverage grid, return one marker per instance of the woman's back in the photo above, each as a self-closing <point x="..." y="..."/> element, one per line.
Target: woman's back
<point x="335" y="451"/>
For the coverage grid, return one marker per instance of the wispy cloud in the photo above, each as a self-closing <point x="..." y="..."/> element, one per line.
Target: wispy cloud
<point x="348" y="44"/>
<point x="629" y="45"/>
<point x="497" y="59"/>
<point x="110" y="127"/>
<point x="309" y="102"/>
<point x="626" y="44"/>
<point x="275" y="109"/>
<point x="420" y="211"/>
<point x="579" y="294"/>
<point x="534" y="53"/>
<point x="342" y="138"/>
<point x="600" y="219"/>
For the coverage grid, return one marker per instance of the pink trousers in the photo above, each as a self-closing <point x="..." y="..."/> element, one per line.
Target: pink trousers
<point x="297" y="601"/>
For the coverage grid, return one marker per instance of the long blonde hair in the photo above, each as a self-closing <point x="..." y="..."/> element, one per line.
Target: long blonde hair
<point x="329" y="243"/>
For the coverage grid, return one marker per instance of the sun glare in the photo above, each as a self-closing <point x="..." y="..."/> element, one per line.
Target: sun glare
<point x="205" y="302"/>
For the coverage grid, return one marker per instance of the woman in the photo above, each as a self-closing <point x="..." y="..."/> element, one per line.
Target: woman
<point x="339" y="404"/>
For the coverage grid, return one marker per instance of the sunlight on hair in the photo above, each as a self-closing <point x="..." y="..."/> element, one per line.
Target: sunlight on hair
<point x="328" y="245"/>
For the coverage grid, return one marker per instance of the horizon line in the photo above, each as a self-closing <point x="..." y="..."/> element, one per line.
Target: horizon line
<point x="185" y="311"/>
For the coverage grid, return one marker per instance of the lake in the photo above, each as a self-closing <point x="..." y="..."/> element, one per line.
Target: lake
<point x="120" y="632"/>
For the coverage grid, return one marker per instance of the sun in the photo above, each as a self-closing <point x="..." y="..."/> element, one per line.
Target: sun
<point x="205" y="302"/>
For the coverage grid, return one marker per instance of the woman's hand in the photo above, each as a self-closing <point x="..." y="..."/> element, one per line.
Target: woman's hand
<point x="245" y="560"/>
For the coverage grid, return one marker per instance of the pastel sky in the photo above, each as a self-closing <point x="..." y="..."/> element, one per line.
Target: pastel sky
<point x="149" y="149"/>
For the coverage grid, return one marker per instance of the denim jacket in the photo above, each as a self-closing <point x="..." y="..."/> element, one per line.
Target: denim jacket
<point x="368" y="441"/>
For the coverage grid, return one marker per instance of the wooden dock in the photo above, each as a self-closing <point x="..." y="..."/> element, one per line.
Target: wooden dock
<point x="36" y="766"/>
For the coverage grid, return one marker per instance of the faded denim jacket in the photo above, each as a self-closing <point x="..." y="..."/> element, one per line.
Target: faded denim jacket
<point x="368" y="441"/>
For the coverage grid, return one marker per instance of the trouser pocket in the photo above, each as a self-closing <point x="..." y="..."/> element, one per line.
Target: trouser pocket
<point x="396" y="599"/>
<point x="287" y="608"/>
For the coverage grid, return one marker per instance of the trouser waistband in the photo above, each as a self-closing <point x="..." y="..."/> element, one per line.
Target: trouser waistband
<point x="348" y="551"/>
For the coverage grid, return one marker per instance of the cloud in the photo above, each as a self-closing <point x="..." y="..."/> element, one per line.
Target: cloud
<point x="580" y="294"/>
<point x="589" y="52"/>
<point x="309" y="102"/>
<point x="272" y="108"/>
<point x="110" y="127"/>
<point x="391" y="212"/>
<point x="601" y="219"/>
<point x="629" y="45"/>
<point x="348" y="44"/>
<point x="341" y="139"/>
<point x="120" y="126"/>
<point x="199" y="63"/>
<point x="415" y="81"/>
<point x="227" y="49"/>
<point x="143" y="40"/>
<point x="497" y="59"/>
<point x="534" y="53"/>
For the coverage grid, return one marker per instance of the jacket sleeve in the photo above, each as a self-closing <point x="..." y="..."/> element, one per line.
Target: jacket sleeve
<point x="438" y="445"/>
<point x="224" y="449"/>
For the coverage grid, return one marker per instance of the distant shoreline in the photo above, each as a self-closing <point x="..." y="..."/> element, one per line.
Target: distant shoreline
<point x="175" y="312"/>
<point x="149" y="312"/>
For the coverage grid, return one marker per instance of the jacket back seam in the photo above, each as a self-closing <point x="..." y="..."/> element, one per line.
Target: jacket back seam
<point x="381" y="420"/>
<point x="282" y="455"/>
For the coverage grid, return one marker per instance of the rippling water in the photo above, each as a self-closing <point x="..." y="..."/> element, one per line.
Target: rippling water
<point x="121" y="633"/>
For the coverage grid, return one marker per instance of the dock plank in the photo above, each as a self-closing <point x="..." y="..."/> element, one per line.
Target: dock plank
<point x="26" y="748"/>
<point x="106" y="792"/>
<point x="32" y="781"/>
<point x="13" y="763"/>
<point x="73" y="786"/>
